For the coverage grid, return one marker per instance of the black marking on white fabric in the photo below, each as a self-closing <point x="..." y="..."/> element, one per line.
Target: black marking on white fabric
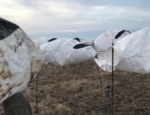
<point x="20" y="41"/>
<point x="78" y="39"/>
<point x="5" y="93"/>
<point x="7" y="84"/>
<point x="52" y="39"/>
<point x="120" y="33"/>
<point x="96" y="56"/>
<point x="78" y="46"/>
<point x="19" y="84"/>
<point x="10" y="93"/>
<point x="6" y="28"/>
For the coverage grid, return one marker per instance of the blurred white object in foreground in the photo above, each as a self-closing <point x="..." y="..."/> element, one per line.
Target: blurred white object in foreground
<point x="20" y="59"/>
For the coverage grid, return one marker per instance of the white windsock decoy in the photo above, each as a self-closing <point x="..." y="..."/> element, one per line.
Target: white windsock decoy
<point x="66" y="51"/>
<point x="132" y="53"/>
<point x="43" y="40"/>
<point x="20" y="59"/>
<point x="135" y="52"/>
<point x="102" y="42"/>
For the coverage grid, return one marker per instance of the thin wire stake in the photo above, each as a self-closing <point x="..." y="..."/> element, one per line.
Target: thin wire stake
<point x="112" y="82"/>
<point x="36" y="108"/>
<point x="98" y="70"/>
<point x="100" y="76"/>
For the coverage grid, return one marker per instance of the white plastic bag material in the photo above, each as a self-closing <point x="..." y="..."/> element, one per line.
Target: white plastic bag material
<point x="61" y="52"/>
<point x="42" y="40"/>
<point x="135" y="50"/>
<point x="104" y="41"/>
<point x="19" y="59"/>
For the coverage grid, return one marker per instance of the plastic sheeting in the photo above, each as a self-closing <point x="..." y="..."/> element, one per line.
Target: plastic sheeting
<point x="105" y="40"/>
<point x="135" y="48"/>
<point x="66" y="51"/>
<point x="20" y="59"/>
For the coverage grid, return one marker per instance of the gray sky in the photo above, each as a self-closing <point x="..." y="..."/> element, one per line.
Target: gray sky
<point x="86" y="19"/>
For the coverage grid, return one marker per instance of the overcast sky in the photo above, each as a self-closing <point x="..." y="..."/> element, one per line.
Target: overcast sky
<point x="86" y="19"/>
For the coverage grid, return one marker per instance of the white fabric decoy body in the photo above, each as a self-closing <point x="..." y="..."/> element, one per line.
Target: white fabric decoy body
<point x="135" y="52"/>
<point x="20" y="59"/>
<point x="104" y="41"/>
<point x="66" y="51"/>
<point x="131" y="53"/>
<point x="101" y="45"/>
<point x="43" y="40"/>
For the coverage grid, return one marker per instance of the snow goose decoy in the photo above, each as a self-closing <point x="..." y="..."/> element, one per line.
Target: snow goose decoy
<point x="66" y="51"/>
<point x="101" y="45"/>
<point x="43" y="40"/>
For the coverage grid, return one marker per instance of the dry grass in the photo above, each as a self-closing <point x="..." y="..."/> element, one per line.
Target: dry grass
<point x="76" y="90"/>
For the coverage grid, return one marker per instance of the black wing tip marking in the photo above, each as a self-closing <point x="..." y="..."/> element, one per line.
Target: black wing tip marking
<point x="52" y="39"/>
<point x="6" y="28"/>
<point x="78" y="46"/>
<point x="120" y="33"/>
<point x="78" y="39"/>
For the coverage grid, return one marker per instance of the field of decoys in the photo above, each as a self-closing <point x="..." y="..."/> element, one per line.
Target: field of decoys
<point x="69" y="76"/>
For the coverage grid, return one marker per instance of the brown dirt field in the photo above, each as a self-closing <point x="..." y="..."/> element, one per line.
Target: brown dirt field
<point x="76" y="90"/>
